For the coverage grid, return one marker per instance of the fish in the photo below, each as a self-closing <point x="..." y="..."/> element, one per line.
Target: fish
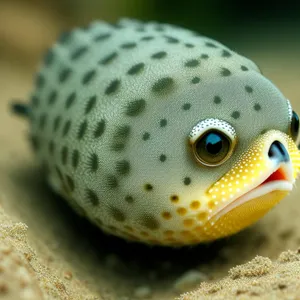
<point x="160" y="135"/>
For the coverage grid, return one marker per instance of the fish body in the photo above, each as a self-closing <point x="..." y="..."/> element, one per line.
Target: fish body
<point x="157" y="134"/>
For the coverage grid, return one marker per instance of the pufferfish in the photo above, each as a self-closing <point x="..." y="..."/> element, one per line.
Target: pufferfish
<point x="160" y="135"/>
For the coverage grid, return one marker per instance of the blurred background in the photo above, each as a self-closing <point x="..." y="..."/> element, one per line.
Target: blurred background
<point x="28" y="27"/>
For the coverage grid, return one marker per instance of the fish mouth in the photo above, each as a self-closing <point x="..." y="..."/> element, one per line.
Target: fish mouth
<point x="280" y="179"/>
<point x="256" y="183"/>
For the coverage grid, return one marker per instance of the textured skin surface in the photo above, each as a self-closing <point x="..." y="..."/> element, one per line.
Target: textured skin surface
<point x="112" y="112"/>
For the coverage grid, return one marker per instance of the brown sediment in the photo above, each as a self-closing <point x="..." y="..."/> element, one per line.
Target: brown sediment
<point x="258" y="279"/>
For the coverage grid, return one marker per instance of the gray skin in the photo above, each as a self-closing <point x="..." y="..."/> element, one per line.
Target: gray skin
<point x="112" y="111"/>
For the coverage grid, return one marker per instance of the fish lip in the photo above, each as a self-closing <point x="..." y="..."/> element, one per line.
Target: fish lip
<point x="261" y="188"/>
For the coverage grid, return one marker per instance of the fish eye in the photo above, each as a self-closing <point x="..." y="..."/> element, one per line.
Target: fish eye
<point x="294" y="126"/>
<point x="212" y="148"/>
<point x="213" y="142"/>
<point x="294" y="122"/>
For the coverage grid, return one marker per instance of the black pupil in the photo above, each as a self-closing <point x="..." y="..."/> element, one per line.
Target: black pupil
<point x="214" y="143"/>
<point x="295" y="126"/>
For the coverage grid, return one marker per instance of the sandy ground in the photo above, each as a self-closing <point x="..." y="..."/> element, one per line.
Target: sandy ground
<point x="48" y="252"/>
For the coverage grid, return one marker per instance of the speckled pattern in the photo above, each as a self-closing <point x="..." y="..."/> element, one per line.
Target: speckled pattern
<point x="112" y="112"/>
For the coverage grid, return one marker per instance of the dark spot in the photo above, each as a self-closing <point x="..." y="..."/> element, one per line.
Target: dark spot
<point x="257" y="106"/>
<point x="64" y="75"/>
<point x="163" y="84"/>
<point x="204" y="56"/>
<point x="49" y="57"/>
<point x="225" y="72"/>
<point x="56" y="123"/>
<point x="163" y="123"/>
<point x="100" y="128"/>
<point x="210" y="45"/>
<point x="174" y="198"/>
<point x="117" y="146"/>
<point x="108" y="59"/>
<point x="70" y="100"/>
<point x="59" y="173"/>
<point x="75" y="158"/>
<point x="264" y="131"/>
<point x="92" y="197"/>
<point x="51" y="147"/>
<point x="42" y="121"/>
<point x="238" y="292"/>
<point x="146" y="136"/>
<point x="65" y="37"/>
<point x="192" y="63"/>
<point x="140" y="29"/>
<point x="244" y="68"/>
<point x="236" y="114"/>
<point x="195" y="80"/>
<point x="286" y="234"/>
<point x="52" y="97"/>
<point x="186" y="106"/>
<point x="217" y="100"/>
<point x="171" y="40"/>
<point x="136" y="69"/>
<point x="188" y="45"/>
<point x="40" y="81"/>
<point x="129" y="199"/>
<point x="88" y="77"/>
<point x="35" y="101"/>
<point x="117" y="26"/>
<point x="82" y="130"/>
<point x="248" y="89"/>
<point x="159" y="55"/>
<point x="159" y="28"/>
<point x="86" y="27"/>
<point x="102" y="37"/>
<point x="70" y="183"/>
<point x="112" y="181"/>
<point x="123" y="167"/>
<point x="79" y="52"/>
<point x="149" y="222"/>
<point x="122" y="132"/>
<point x="64" y="155"/>
<point x="91" y="104"/>
<point x="112" y="87"/>
<point x="226" y="53"/>
<point x="282" y="286"/>
<point x="117" y="214"/>
<point x="66" y="128"/>
<point x="163" y="158"/>
<point x="35" y="142"/>
<point x="147" y="38"/>
<point x="128" y="45"/>
<point x="187" y="181"/>
<point x="148" y="187"/>
<point x="93" y="162"/>
<point x="136" y="107"/>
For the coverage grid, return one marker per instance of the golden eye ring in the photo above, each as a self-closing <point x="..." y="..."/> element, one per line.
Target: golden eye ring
<point x="213" y="142"/>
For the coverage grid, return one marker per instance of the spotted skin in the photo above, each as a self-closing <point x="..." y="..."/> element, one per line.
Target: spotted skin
<point x="111" y="113"/>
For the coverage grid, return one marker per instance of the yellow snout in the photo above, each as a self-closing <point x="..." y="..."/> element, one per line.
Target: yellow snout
<point x="262" y="177"/>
